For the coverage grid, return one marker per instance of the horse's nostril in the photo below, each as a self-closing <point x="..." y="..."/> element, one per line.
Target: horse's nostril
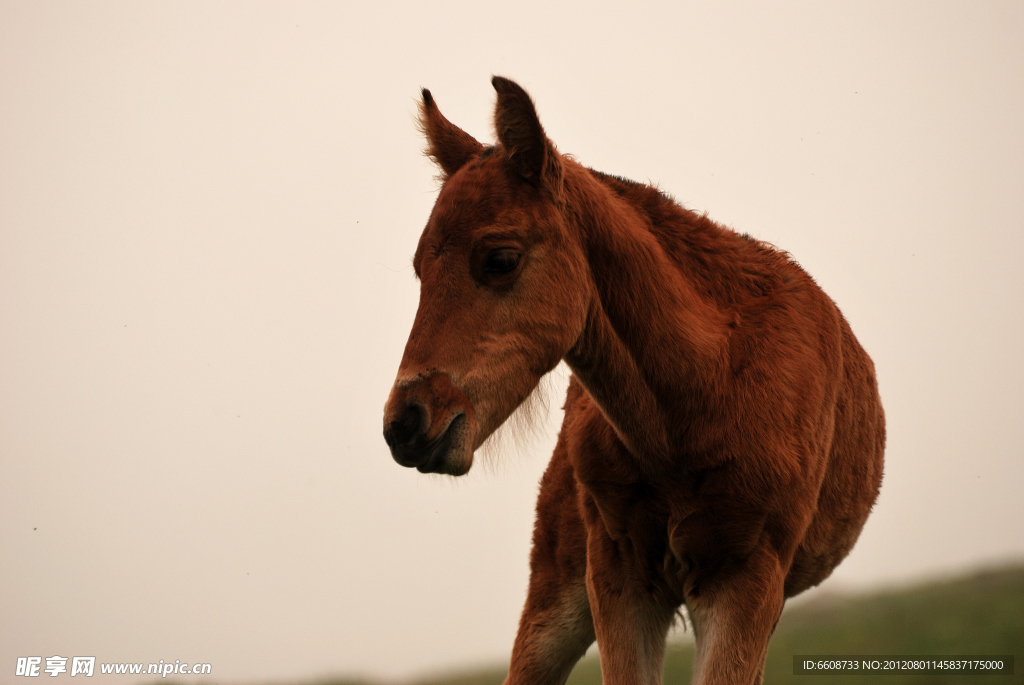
<point x="409" y="424"/>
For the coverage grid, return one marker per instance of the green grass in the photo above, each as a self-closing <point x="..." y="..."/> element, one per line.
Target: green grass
<point x="979" y="614"/>
<point x="982" y="613"/>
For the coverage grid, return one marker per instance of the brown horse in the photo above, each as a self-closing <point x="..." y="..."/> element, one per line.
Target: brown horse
<point x="723" y="435"/>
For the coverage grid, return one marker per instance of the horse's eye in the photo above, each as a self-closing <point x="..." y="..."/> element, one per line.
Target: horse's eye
<point x="501" y="261"/>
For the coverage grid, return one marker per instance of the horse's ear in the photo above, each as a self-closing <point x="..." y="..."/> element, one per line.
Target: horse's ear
<point x="447" y="144"/>
<point x="529" y="151"/>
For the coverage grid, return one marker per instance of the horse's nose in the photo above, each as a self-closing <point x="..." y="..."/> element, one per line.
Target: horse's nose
<point x="406" y="433"/>
<point x="428" y="424"/>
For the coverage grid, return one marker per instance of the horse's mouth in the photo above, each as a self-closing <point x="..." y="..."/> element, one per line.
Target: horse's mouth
<point x="429" y="426"/>
<point x="443" y="454"/>
<point x="441" y="450"/>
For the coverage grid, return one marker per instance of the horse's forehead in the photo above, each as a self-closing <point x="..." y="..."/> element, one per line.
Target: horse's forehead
<point x="471" y="198"/>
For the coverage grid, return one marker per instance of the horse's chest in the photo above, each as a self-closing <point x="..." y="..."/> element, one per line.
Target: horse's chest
<point x="631" y="515"/>
<point x="629" y="527"/>
<point x="673" y="535"/>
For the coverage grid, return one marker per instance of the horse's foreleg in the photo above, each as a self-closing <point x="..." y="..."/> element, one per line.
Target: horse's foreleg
<point x="553" y="634"/>
<point x="631" y="624"/>
<point x="733" y="621"/>
<point x="556" y="627"/>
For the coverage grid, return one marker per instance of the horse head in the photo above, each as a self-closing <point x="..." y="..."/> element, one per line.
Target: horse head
<point x="501" y="287"/>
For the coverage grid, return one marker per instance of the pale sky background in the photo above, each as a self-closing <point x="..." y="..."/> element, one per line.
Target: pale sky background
<point x="207" y="215"/>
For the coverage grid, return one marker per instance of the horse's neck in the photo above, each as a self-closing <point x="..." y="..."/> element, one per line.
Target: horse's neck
<point x="653" y="349"/>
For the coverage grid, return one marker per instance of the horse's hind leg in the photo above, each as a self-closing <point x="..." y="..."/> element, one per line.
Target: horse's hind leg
<point x="733" y="621"/>
<point x="556" y="627"/>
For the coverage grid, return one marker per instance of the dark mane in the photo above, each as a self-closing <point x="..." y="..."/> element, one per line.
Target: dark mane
<point x="640" y="194"/>
<point x="726" y="266"/>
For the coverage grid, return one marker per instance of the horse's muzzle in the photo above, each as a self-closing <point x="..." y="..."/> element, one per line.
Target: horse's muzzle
<point x="410" y="445"/>
<point x="426" y="426"/>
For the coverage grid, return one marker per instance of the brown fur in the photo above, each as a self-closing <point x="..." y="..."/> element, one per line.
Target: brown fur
<point x="723" y="435"/>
